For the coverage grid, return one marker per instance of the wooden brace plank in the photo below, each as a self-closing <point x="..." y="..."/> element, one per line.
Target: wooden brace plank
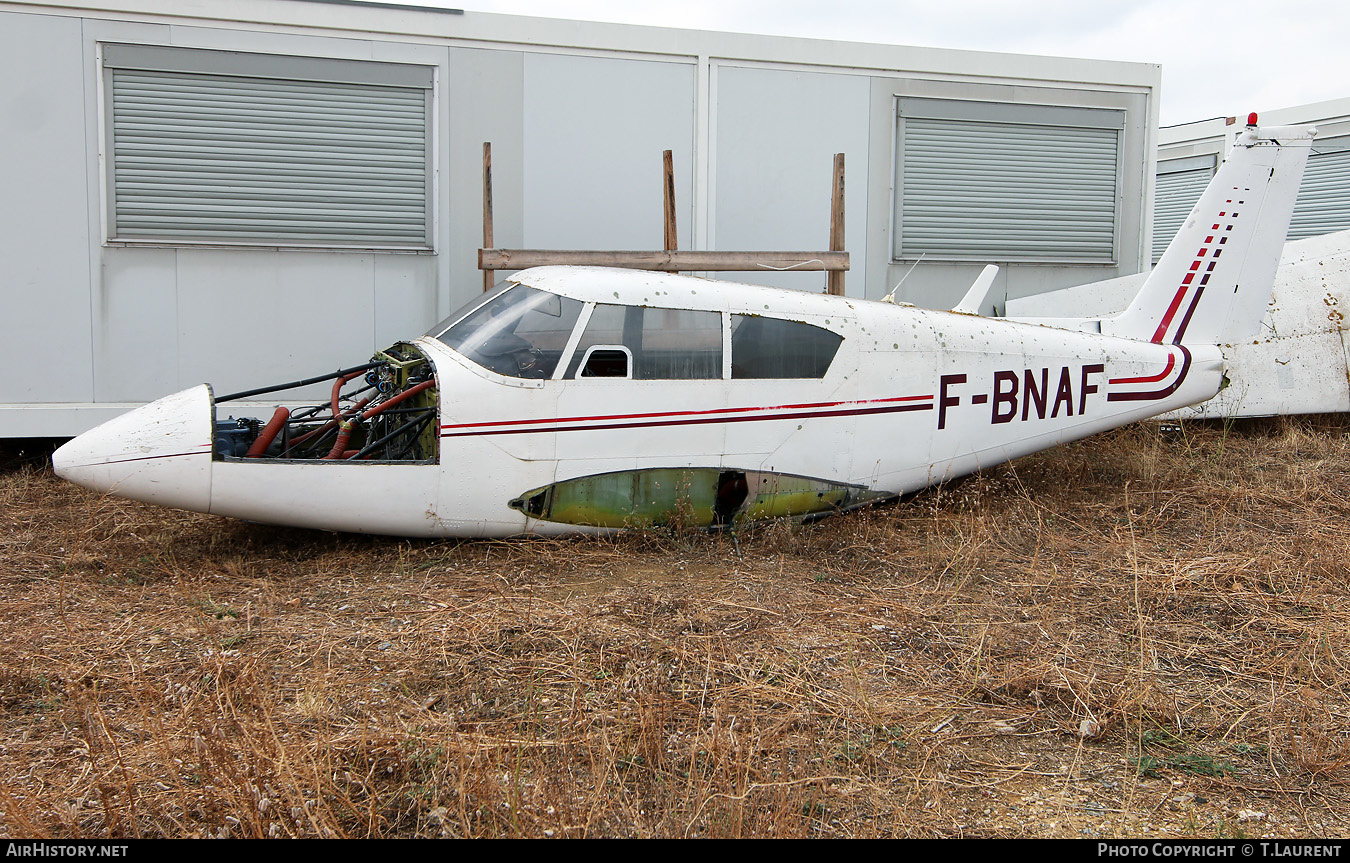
<point x="665" y="261"/>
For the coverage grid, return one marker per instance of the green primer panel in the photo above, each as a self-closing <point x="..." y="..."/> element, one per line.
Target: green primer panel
<point x="636" y="498"/>
<point x="688" y="496"/>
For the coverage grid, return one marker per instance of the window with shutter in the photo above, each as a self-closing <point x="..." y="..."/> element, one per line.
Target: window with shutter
<point x="1324" y="195"/>
<point x="1178" y="187"/>
<point x="983" y="181"/>
<point x="229" y="148"/>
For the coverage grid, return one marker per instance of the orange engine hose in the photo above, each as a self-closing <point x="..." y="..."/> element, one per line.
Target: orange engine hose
<point x="408" y="393"/>
<point x="339" y="448"/>
<point x="269" y="433"/>
<point x="340" y="445"/>
<point x="337" y="391"/>
<point x="326" y="426"/>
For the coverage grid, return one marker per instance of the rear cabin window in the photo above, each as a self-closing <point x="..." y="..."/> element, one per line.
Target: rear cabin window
<point x="520" y="333"/>
<point x="649" y="344"/>
<point x="773" y="348"/>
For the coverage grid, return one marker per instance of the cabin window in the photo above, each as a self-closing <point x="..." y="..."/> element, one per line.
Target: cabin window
<point x="223" y="147"/>
<point x="520" y="333"/>
<point x="606" y="361"/>
<point x="663" y="344"/>
<point x="773" y="348"/>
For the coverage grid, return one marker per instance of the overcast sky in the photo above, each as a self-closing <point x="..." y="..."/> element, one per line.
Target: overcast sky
<point x="1218" y="58"/>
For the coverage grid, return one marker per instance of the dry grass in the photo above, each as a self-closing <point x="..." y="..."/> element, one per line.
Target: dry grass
<point x="1141" y="634"/>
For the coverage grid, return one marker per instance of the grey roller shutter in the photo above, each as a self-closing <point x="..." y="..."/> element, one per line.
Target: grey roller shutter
<point x="1324" y="196"/>
<point x="1178" y="187"/>
<point x="974" y="189"/>
<point x="209" y="157"/>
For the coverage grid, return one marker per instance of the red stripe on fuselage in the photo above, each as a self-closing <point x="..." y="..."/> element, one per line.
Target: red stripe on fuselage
<point x="679" y="413"/>
<point x="1171" y="363"/>
<point x="1165" y="391"/>
<point x="672" y="418"/>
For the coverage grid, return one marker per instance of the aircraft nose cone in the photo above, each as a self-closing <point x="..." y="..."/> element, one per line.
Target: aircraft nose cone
<point x="159" y="453"/>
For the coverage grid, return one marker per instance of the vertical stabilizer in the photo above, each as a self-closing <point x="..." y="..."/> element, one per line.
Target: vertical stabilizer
<point x="1213" y="283"/>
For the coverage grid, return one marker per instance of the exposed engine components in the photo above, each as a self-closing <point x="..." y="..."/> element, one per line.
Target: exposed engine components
<point x="234" y="436"/>
<point x="398" y="367"/>
<point x="388" y="414"/>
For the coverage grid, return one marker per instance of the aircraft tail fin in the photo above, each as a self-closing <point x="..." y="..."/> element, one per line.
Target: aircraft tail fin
<point x="1213" y="282"/>
<point x="979" y="290"/>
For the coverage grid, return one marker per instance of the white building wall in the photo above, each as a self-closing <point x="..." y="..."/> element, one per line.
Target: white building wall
<point x="595" y="128"/>
<point x="776" y="132"/>
<point x="44" y="232"/>
<point x="484" y="94"/>
<point x="941" y="284"/>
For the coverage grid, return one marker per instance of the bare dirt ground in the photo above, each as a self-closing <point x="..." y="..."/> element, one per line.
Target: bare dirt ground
<point x="1140" y="635"/>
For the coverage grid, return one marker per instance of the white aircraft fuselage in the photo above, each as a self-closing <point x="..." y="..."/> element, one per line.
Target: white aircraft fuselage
<point x="592" y="399"/>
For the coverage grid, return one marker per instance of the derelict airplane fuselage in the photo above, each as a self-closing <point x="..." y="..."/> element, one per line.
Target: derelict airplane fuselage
<point x="582" y="399"/>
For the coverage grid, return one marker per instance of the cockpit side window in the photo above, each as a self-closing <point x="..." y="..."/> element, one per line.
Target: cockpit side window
<point x="664" y="344"/>
<point x="773" y="348"/>
<point x="520" y="333"/>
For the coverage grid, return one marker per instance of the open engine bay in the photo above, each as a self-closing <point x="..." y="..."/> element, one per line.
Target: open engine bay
<point x="383" y="411"/>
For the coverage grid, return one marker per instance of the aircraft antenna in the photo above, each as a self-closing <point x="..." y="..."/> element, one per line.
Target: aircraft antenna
<point x="890" y="298"/>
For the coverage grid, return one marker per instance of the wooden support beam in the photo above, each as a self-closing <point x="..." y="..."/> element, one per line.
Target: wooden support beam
<point x="672" y="238"/>
<point x="664" y="261"/>
<point x="835" y="281"/>
<point x="487" y="209"/>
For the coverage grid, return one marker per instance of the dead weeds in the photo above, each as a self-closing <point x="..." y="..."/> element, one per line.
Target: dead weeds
<point x="1140" y="634"/>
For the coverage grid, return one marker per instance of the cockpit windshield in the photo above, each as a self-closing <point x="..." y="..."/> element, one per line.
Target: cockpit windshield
<point x="520" y="331"/>
<point x="464" y="310"/>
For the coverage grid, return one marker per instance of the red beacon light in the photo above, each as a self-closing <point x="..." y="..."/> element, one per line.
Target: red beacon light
<point x="1251" y="119"/>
